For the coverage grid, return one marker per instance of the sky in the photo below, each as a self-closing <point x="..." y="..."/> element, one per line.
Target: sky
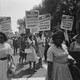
<point x="16" y="9"/>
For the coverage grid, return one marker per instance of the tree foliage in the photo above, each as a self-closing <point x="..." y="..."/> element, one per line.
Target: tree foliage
<point x="57" y="8"/>
<point x="40" y="8"/>
<point x="48" y="6"/>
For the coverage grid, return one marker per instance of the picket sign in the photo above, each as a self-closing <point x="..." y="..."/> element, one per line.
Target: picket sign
<point x="32" y="20"/>
<point x="67" y="24"/>
<point x="44" y="22"/>
<point x="5" y="25"/>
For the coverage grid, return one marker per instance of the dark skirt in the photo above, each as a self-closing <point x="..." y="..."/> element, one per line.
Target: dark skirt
<point x="76" y="56"/>
<point x="75" y="72"/>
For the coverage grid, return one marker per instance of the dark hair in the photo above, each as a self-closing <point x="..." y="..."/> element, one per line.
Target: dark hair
<point x="58" y="33"/>
<point x="4" y="36"/>
<point x="55" y="36"/>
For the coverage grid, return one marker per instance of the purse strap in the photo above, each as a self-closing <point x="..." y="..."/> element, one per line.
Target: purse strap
<point x="30" y="45"/>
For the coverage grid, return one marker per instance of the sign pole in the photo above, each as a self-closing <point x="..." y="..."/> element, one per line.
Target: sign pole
<point x="66" y="35"/>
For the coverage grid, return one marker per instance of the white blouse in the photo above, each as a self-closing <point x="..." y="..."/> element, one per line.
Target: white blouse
<point x="57" y="52"/>
<point x="5" y="49"/>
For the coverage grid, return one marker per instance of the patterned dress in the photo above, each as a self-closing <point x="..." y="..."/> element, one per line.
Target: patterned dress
<point x="58" y="56"/>
<point x="32" y="56"/>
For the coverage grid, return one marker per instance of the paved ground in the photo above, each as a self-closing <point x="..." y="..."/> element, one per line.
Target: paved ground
<point x="23" y="72"/>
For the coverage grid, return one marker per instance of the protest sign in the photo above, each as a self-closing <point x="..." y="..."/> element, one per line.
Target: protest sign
<point x="44" y="22"/>
<point x="5" y="25"/>
<point x="67" y="22"/>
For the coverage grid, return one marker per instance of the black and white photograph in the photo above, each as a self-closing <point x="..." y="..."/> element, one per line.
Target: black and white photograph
<point x="39" y="39"/>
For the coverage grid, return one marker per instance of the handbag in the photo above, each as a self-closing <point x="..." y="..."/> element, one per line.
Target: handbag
<point x="28" y="50"/>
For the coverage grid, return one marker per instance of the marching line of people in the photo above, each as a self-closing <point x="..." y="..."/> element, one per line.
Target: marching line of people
<point x="57" y="52"/>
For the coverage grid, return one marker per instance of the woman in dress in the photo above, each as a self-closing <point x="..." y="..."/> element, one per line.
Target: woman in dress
<point x="40" y="49"/>
<point x="5" y="50"/>
<point x="32" y="57"/>
<point x="57" y="57"/>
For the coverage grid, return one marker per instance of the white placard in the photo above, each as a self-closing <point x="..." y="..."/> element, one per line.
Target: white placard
<point x="67" y="22"/>
<point x="32" y="18"/>
<point x="44" y="22"/>
<point x="5" y="24"/>
<point x="45" y="25"/>
<point x="44" y="17"/>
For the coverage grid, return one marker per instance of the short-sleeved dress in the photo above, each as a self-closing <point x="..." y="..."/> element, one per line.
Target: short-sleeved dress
<point x="60" y="69"/>
<point x="5" y="49"/>
<point x="41" y="48"/>
<point x="32" y="56"/>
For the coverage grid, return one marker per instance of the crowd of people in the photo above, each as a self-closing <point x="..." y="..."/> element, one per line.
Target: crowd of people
<point x="56" y="51"/>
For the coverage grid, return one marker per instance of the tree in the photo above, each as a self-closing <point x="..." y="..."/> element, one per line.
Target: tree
<point x="70" y="7"/>
<point x="21" y="22"/>
<point x="56" y="8"/>
<point x="40" y="8"/>
<point x="48" y="6"/>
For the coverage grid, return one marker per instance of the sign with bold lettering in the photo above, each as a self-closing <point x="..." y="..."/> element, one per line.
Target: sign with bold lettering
<point x="44" y="17"/>
<point x="44" y="22"/>
<point x="32" y="18"/>
<point x="5" y="24"/>
<point x="67" y="22"/>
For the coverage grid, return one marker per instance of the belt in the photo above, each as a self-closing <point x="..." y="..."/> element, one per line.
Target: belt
<point x="3" y="58"/>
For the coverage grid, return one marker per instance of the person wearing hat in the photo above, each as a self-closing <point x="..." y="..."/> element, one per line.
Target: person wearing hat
<point x="57" y="57"/>
<point x="5" y="50"/>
